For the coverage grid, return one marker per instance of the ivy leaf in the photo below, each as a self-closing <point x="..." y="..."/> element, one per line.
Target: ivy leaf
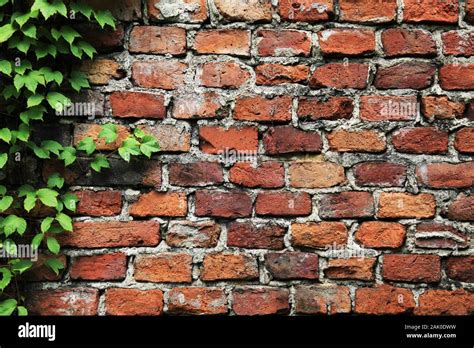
<point x="38" y="151"/>
<point x="87" y="48"/>
<point x="56" y="100"/>
<point x="46" y="224"/>
<point x="30" y="31"/>
<point x="80" y="7"/>
<point x="65" y="221"/>
<point x="104" y="18"/>
<point x="69" y="34"/>
<point x="51" y="75"/>
<point x="70" y="201"/>
<point x="52" y="146"/>
<point x="50" y="9"/>
<point x="25" y="190"/>
<point x="23" y="132"/>
<point x="12" y="224"/>
<point x="6" y="278"/>
<point x="5" y="135"/>
<point x="34" y="100"/>
<point x="3" y="159"/>
<point x="6" y="32"/>
<point x="7" y="307"/>
<point x="78" y="80"/>
<point x="21" y="266"/>
<point x="48" y="197"/>
<point x="43" y="50"/>
<point x="35" y="113"/>
<point x="100" y="162"/>
<point x="6" y="67"/>
<point x="149" y="146"/>
<point x="109" y="133"/>
<point x="53" y="245"/>
<point x="55" y="180"/>
<point x="68" y="155"/>
<point x="22" y="311"/>
<point x="35" y="243"/>
<point x="129" y="147"/>
<point x="87" y="145"/>
<point x="55" y="265"/>
<point x="5" y="203"/>
<point x="30" y="201"/>
<point x="3" y="190"/>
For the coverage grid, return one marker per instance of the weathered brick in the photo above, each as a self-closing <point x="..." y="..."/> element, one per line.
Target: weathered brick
<point x="353" y="268"/>
<point x="331" y="108"/>
<point x="306" y="10"/>
<point x="171" y="137"/>
<point x="99" y="267"/>
<point x="377" y="234"/>
<point x="190" y="11"/>
<point x="406" y="205"/>
<point x="138" y="105"/>
<point x="356" y="141"/>
<point x="195" y="174"/>
<point x="445" y="302"/>
<point x="346" y="205"/>
<point x="83" y="130"/>
<point x="384" y="299"/>
<point x="260" y="301"/>
<point x="322" y="299"/>
<point x="368" y="11"/>
<point x="292" y="265"/>
<point x="288" y="139"/>
<point x="283" y="43"/>
<point x="457" y="43"/>
<point x="228" y="267"/>
<point x="169" y="204"/>
<point x="268" y="174"/>
<point x="64" y="302"/>
<point x="283" y="203"/>
<point x="469" y="11"/>
<point x="102" y="71"/>
<point x="408" y="42"/>
<point x="440" y="236"/>
<point x="388" y="108"/>
<point x="223" y="41"/>
<point x="316" y="174"/>
<point x="99" y="203"/>
<point x="104" y="40"/>
<point x="428" y="140"/>
<point x="245" y="10"/>
<point x="163" y="268"/>
<point x="199" y="106"/>
<point x="165" y="74"/>
<point x="464" y="141"/>
<point x="446" y="175"/>
<point x="461" y="268"/>
<point x="133" y="302"/>
<point x="223" y="204"/>
<point x="255" y="236"/>
<point x="158" y="40"/>
<point x="222" y="75"/>
<point x="190" y="234"/>
<point x="441" y="107"/>
<point x="258" y="108"/>
<point x="439" y="11"/>
<point x="412" y="268"/>
<point x="457" y="76"/>
<point x="385" y="174"/>
<point x="318" y="235"/>
<point x="413" y="74"/>
<point x="194" y="300"/>
<point x="123" y="10"/>
<point x="39" y="272"/>
<point x="217" y="140"/>
<point x="276" y="74"/>
<point x="340" y="76"/>
<point x="346" y="42"/>
<point x="462" y="208"/>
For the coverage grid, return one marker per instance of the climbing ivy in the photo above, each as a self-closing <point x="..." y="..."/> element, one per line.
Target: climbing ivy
<point x="39" y="48"/>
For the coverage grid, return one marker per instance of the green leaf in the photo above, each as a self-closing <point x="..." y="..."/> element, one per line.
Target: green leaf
<point x="80" y="7"/>
<point x="30" y="201"/>
<point x="149" y="146"/>
<point x="100" y="162"/>
<point x="104" y="18"/>
<point x="51" y="75"/>
<point x="65" y="221"/>
<point x="7" y="307"/>
<point x="57" y="100"/>
<point x="55" y="265"/>
<point x="22" y="311"/>
<point x="87" y="48"/>
<point x="48" y="197"/>
<point x="21" y="266"/>
<point x="70" y="201"/>
<point x="5" y="135"/>
<point x="68" y="155"/>
<point x="46" y="224"/>
<point x="87" y="145"/>
<point x="109" y="133"/>
<point x="69" y="34"/>
<point x="12" y="224"/>
<point x="6" y="278"/>
<point x="35" y="113"/>
<point x="35" y="100"/>
<point x="5" y="67"/>
<point x="3" y="190"/>
<point x="53" y="245"/>
<point x="3" y="159"/>
<point x="55" y="180"/>
<point x="130" y="147"/>
<point x="79" y="80"/>
<point x="5" y="203"/>
<point x="30" y="31"/>
<point x="52" y="146"/>
<point x="35" y="243"/>
<point x="50" y="9"/>
<point x="43" y="50"/>
<point x="23" y="132"/>
<point x="6" y="32"/>
<point x="38" y="151"/>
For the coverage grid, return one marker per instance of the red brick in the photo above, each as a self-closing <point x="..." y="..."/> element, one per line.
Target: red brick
<point x="99" y="267"/>
<point x="229" y="267"/>
<point x="223" y="41"/>
<point x="446" y="175"/>
<point x="292" y="265"/>
<point x="194" y="300"/>
<point x="165" y="74"/>
<point x="457" y="77"/>
<point x="260" y="301"/>
<point x="222" y="75"/>
<point x="223" y="204"/>
<point x="268" y="174"/>
<point x="322" y="299"/>
<point x="188" y="234"/>
<point x="462" y="208"/>
<point x="346" y="42"/>
<point x="415" y="268"/>
<point x="331" y="108"/>
<point x="283" y="43"/>
<point x="283" y="203"/>
<point x="445" y="302"/>
<point x="353" y="268"/>
<point x="408" y="42"/>
<point x="189" y="11"/>
<point x="385" y="174"/>
<point x="340" y="76"/>
<point x="252" y="236"/>
<point x="413" y="74"/>
<point x="99" y="203"/>
<point x="441" y="107"/>
<point x="83" y="130"/>
<point x="64" y="302"/>
<point x="440" y="236"/>
<point x="428" y="140"/>
<point x="458" y="43"/>
<point x="39" y="272"/>
<point x="122" y="10"/>
<point x="171" y="137"/>
<point x="470" y="111"/>
<point x="158" y="40"/>
<point x="102" y="71"/>
<point x="104" y="40"/>
<point x="318" y="235"/>
<point x="195" y="174"/>
<point x="306" y="10"/>
<point x="113" y="234"/>
<point x="461" y="268"/>
<point x="368" y="11"/>
<point x="170" y="204"/>
<point x="288" y="139"/>
<point x="215" y="140"/>
<point x="375" y="108"/>
<point x="469" y="11"/>
<point x="276" y="74"/>
<point x="163" y="268"/>
<point x="138" y="105"/>
<point x="464" y="141"/>
<point x="384" y="299"/>
<point x="346" y="205"/>
<point x="439" y="11"/>
<point x="199" y="106"/>
<point x="245" y="10"/>
<point x="316" y="174"/>
<point x="377" y="234"/>
<point x="406" y="205"/>
<point x="258" y="108"/>
<point x="356" y="141"/>
<point x="133" y="302"/>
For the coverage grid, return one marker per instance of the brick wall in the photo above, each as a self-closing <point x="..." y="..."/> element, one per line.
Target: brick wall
<point x="357" y="118"/>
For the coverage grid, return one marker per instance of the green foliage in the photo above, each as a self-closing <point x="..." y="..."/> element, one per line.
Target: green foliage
<point x="39" y="46"/>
